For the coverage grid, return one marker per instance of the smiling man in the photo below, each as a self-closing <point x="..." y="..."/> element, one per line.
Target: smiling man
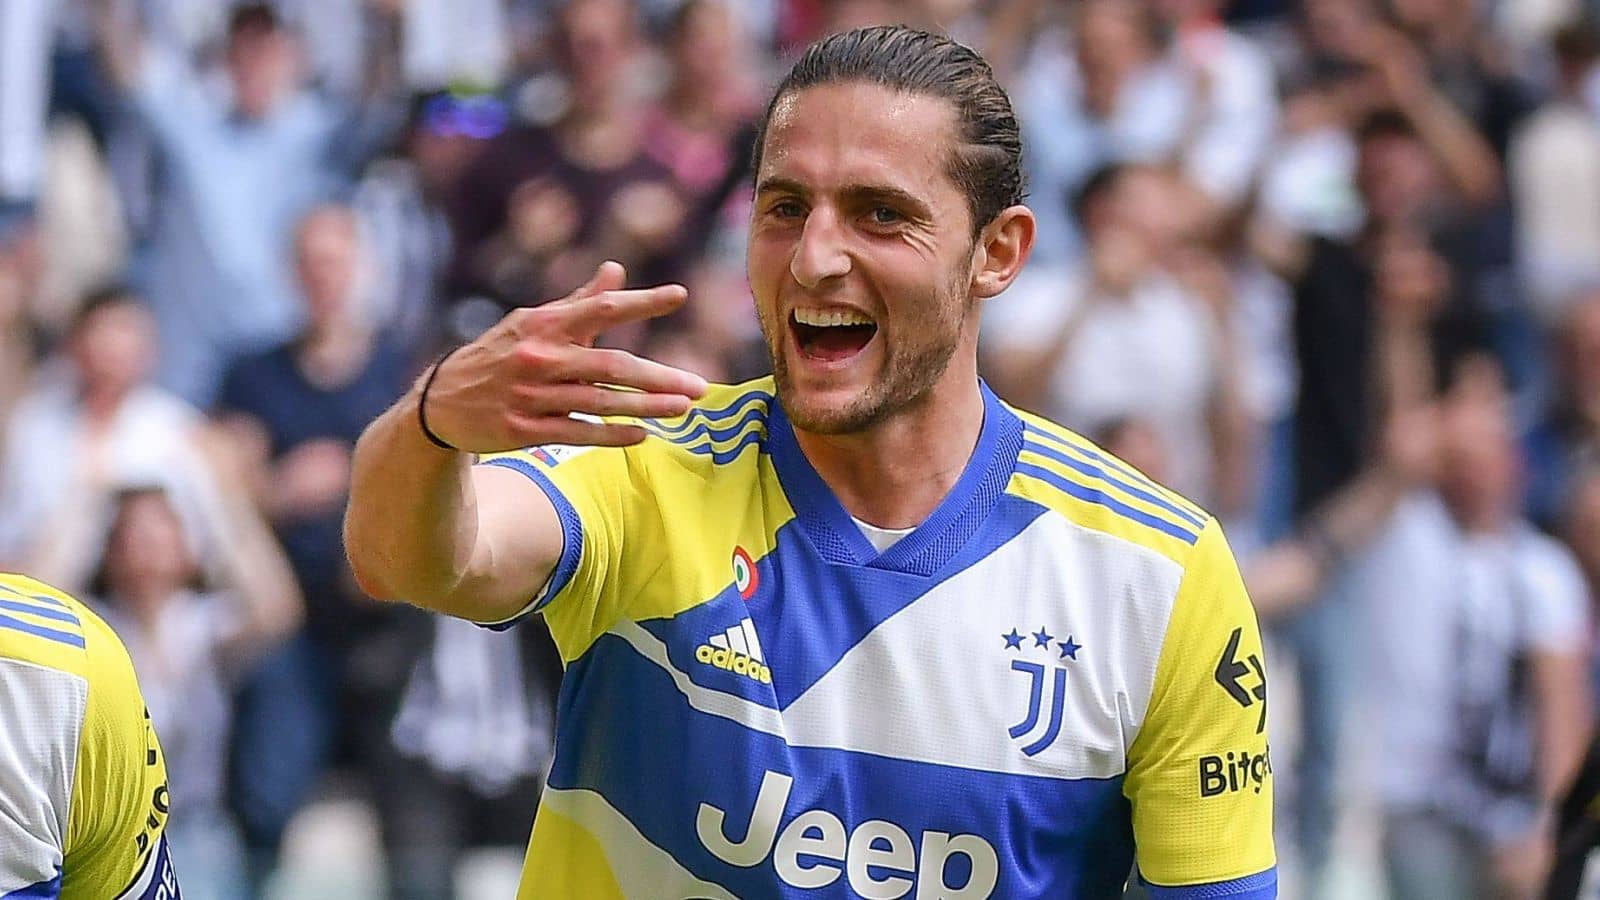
<point x="860" y="629"/>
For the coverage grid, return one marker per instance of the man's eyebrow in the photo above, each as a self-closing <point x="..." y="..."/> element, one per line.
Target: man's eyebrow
<point x="882" y="192"/>
<point x="780" y="185"/>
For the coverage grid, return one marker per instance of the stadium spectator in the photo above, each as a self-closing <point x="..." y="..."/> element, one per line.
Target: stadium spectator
<point x="237" y="168"/>
<point x="1467" y="62"/>
<point x="1145" y="328"/>
<point x="1480" y="647"/>
<point x="1116" y="97"/>
<point x="1569" y="436"/>
<point x="472" y="741"/>
<point x="548" y="200"/>
<point x="93" y="421"/>
<point x="1554" y="168"/>
<point x="703" y="126"/>
<point x="189" y="642"/>
<point x="1405" y="185"/>
<point x="1232" y="107"/>
<point x="403" y="202"/>
<point x="297" y="409"/>
<point x="25" y="30"/>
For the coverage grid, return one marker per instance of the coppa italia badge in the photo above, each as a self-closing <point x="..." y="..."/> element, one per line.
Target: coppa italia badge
<point x="745" y="576"/>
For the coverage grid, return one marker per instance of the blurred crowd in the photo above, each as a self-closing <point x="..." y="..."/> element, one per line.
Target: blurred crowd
<point x="1329" y="267"/>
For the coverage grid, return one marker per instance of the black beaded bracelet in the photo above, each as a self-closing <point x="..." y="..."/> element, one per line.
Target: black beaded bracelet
<point x="422" y="406"/>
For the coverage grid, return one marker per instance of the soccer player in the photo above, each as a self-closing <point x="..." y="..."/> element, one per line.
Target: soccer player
<point x="858" y="629"/>
<point x="83" y="787"/>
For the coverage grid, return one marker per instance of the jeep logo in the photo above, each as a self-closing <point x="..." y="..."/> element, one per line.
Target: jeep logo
<point x="878" y="858"/>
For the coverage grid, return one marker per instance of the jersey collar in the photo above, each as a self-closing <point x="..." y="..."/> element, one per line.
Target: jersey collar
<point x="937" y="540"/>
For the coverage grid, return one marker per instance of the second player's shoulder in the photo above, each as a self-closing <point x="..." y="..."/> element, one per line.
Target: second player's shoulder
<point x="44" y="626"/>
<point x="1091" y="488"/>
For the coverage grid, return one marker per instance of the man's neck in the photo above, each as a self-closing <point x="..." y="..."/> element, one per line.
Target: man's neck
<point x="333" y="354"/>
<point x="895" y="474"/>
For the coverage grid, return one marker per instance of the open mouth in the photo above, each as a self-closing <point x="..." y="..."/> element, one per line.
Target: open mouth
<point x="831" y="335"/>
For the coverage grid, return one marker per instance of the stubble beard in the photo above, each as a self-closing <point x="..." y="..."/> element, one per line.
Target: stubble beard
<point x="908" y="373"/>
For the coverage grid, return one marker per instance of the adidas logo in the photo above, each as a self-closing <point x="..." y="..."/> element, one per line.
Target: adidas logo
<point x="736" y="650"/>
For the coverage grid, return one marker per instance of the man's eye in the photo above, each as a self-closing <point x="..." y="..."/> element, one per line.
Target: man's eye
<point x="883" y="215"/>
<point x="787" y="209"/>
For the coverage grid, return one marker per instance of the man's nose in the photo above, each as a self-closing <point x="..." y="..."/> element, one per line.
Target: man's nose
<point x="821" y="253"/>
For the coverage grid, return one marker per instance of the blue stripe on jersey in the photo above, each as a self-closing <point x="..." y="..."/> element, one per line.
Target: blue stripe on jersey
<point x="43" y="612"/>
<point x="756" y="437"/>
<point x="1093" y="471"/>
<point x="683" y="758"/>
<point x="44" y="890"/>
<point x="42" y="598"/>
<point x="571" y="532"/>
<point x="49" y="634"/>
<point x="755" y="414"/>
<point x="1260" y="886"/>
<point x="1099" y="498"/>
<point x="698" y="415"/>
<point x="1111" y="462"/>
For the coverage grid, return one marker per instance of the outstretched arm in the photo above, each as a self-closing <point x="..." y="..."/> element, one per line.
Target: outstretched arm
<point x="425" y="526"/>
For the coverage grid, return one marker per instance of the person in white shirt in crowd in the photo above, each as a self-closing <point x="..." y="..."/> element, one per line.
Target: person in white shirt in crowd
<point x="1107" y="94"/>
<point x="1145" y="329"/>
<point x="189" y="642"/>
<point x="1233" y="100"/>
<point x="1554" y="169"/>
<point x="1475" y="652"/>
<point x="1142" y="83"/>
<point x="93" y="421"/>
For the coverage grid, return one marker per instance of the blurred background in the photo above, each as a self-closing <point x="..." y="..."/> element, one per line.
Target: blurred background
<point x="1329" y="267"/>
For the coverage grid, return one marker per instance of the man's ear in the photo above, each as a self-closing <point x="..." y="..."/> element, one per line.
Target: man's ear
<point x="1001" y="250"/>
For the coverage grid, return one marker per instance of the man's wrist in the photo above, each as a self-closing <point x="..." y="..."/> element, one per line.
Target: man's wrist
<point x="422" y="405"/>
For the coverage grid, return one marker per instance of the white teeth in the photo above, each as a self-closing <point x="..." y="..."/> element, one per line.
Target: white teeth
<point x="827" y="318"/>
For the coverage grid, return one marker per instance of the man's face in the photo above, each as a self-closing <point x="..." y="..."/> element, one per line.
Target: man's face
<point x="327" y="251"/>
<point x="598" y="38"/>
<point x="115" y="348"/>
<point x="1397" y="177"/>
<point x="263" y="65"/>
<point x="861" y="253"/>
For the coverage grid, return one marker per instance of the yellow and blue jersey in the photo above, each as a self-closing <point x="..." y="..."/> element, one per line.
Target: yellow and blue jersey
<point x="1057" y="675"/>
<point x="83" y="785"/>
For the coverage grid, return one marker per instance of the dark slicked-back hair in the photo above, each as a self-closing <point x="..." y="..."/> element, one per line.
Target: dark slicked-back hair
<point x="986" y="161"/>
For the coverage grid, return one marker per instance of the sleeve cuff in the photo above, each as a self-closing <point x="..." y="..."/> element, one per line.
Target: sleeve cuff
<point x="1260" y="886"/>
<point x="571" y="541"/>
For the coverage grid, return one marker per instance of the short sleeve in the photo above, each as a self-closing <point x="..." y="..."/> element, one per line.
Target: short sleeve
<point x="1199" y="771"/>
<point x="1558" y="611"/>
<point x="116" y="828"/>
<point x="593" y="490"/>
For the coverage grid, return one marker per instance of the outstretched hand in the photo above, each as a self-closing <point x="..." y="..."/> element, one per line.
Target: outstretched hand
<point x="518" y="384"/>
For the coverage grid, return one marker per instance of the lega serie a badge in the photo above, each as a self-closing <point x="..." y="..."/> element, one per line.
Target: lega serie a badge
<point x="745" y="577"/>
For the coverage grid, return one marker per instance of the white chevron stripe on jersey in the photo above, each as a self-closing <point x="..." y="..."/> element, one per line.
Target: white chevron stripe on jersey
<point x="707" y="700"/>
<point x="641" y="869"/>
